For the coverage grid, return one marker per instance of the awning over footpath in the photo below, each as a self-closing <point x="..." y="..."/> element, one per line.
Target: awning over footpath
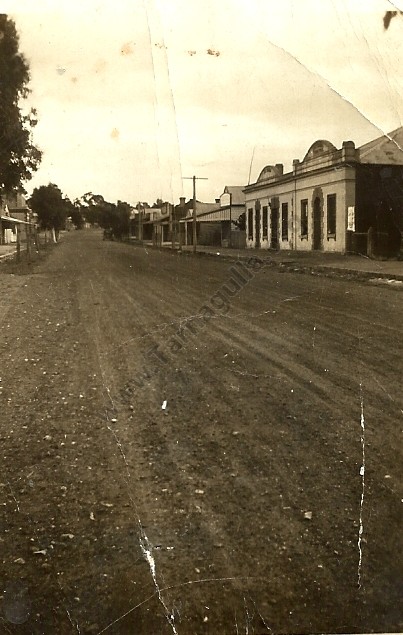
<point x="160" y="220"/>
<point x="10" y="219"/>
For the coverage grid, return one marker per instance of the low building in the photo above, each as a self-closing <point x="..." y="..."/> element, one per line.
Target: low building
<point x="163" y="225"/>
<point x="141" y="222"/>
<point x="150" y="215"/>
<point x="186" y="223"/>
<point x="15" y="216"/>
<point x="17" y="205"/>
<point x="221" y="226"/>
<point x="334" y="200"/>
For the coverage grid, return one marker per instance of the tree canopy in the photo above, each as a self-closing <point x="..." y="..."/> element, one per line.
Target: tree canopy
<point x="52" y="208"/>
<point x="107" y="215"/>
<point x="19" y="157"/>
<point x="75" y="213"/>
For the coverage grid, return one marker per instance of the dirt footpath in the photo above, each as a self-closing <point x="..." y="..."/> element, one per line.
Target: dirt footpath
<point x="183" y="443"/>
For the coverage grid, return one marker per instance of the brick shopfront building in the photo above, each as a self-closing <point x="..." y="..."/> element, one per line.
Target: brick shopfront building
<point x="335" y="200"/>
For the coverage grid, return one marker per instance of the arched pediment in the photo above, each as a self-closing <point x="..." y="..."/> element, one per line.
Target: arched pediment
<point x="270" y="172"/>
<point x="318" y="148"/>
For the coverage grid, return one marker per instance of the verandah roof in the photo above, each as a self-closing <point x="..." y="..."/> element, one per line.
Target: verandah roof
<point x="10" y="219"/>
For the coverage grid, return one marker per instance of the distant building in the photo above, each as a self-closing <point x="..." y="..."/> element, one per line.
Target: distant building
<point x="150" y="215"/>
<point x="141" y="221"/>
<point x="216" y="223"/>
<point x="335" y="200"/>
<point x="175" y="223"/>
<point x="17" y="205"/>
<point x="166" y="227"/>
<point x="219" y="226"/>
<point x="14" y="213"/>
<point x="186" y="223"/>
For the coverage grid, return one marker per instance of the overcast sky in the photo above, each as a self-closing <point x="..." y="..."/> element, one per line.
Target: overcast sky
<point x="133" y="95"/>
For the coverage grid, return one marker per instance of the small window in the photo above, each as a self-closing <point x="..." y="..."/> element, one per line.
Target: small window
<point x="331" y="215"/>
<point x="250" y="223"/>
<point x="304" y="218"/>
<point x="284" y="221"/>
<point x="265" y="221"/>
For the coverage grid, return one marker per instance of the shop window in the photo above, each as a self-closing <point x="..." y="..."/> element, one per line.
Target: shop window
<point x="265" y="221"/>
<point x="284" y="221"/>
<point x="331" y="215"/>
<point x="250" y="223"/>
<point x="304" y="218"/>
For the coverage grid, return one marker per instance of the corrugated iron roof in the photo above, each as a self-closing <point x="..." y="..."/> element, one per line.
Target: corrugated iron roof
<point x="237" y="193"/>
<point x="387" y="149"/>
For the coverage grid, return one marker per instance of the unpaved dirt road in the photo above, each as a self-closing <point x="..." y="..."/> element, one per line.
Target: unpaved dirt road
<point x="182" y="444"/>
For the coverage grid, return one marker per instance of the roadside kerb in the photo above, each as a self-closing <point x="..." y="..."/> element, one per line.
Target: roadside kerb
<point x="342" y="272"/>
<point x="11" y="254"/>
<point x="331" y="270"/>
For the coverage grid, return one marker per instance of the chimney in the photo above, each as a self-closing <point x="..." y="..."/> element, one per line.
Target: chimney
<point x="280" y="168"/>
<point x="217" y="201"/>
<point x="182" y="201"/>
<point x="348" y="151"/>
<point x="295" y="165"/>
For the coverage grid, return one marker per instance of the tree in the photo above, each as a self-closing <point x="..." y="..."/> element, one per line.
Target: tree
<point x="73" y="211"/>
<point x="19" y="157"/>
<point x="92" y="206"/>
<point x="76" y="214"/>
<point x="47" y="201"/>
<point x="121" y="222"/>
<point x="107" y="215"/>
<point x="240" y="222"/>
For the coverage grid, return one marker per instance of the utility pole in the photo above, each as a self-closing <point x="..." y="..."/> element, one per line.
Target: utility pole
<point x="17" y="229"/>
<point x="230" y="220"/>
<point x="173" y="226"/>
<point x="28" y="239"/>
<point x="140" y="211"/>
<point x="194" y="179"/>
